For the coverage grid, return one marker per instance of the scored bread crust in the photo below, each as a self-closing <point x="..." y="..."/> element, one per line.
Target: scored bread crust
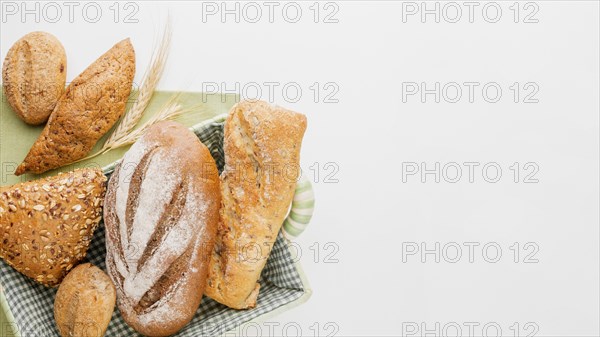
<point x="90" y="106"/>
<point x="34" y="75"/>
<point x="262" y="156"/>
<point x="161" y="215"/>
<point x="46" y="225"/>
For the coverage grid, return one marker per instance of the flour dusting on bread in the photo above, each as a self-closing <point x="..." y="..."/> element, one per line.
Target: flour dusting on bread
<point x="161" y="216"/>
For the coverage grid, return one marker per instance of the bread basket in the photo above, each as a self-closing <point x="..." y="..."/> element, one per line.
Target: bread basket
<point x="28" y="306"/>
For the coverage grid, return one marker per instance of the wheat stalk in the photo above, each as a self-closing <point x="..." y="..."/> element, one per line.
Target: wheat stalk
<point x="169" y="111"/>
<point x="145" y="93"/>
<point x="149" y="83"/>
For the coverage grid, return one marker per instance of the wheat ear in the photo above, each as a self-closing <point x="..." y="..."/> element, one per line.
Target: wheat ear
<point x="169" y="111"/>
<point x="149" y="83"/>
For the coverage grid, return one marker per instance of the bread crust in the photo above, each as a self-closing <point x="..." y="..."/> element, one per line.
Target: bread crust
<point x="161" y="215"/>
<point x="84" y="303"/>
<point x="46" y="225"/>
<point x="33" y="76"/>
<point x="90" y="106"/>
<point x="262" y="155"/>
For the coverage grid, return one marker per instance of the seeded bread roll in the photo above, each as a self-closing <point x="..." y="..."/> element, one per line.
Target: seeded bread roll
<point x="84" y="303"/>
<point x="33" y="76"/>
<point x="161" y="214"/>
<point x="262" y="156"/>
<point x="91" y="105"/>
<point x="46" y="225"/>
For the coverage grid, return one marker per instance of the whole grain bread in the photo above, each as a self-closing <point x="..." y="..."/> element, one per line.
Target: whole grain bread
<point x="46" y="225"/>
<point x="262" y="155"/>
<point x="33" y="76"/>
<point x="84" y="303"/>
<point x="161" y="214"/>
<point x="91" y="105"/>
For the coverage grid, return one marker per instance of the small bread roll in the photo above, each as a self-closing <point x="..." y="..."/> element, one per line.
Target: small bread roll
<point x="33" y="76"/>
<point x="84" y="303"/>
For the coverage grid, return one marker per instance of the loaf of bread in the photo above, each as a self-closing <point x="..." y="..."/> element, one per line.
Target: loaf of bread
<point x="91" y="105"/>
<point x="161" y="215"/>
<point x="262" y="154"/>
<point x="46" y="225"/>
<point x="84" y="303"/>
<point x="33" y="76"/>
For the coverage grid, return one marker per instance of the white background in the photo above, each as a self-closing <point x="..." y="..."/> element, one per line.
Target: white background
<point x="370" y="213"/>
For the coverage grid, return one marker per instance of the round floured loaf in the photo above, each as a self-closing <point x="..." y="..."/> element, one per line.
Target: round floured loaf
<point x="161" y="214"/>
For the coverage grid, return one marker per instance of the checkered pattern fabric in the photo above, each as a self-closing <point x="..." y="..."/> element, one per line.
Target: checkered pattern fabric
<point x="32" y="304"/>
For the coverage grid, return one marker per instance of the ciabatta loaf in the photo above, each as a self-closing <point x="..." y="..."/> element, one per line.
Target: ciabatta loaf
<point x="262" y="155"/>
<point x="161" y="214"/>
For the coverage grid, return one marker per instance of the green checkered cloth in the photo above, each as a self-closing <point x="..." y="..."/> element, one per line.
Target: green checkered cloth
<point x="32" y="304"/>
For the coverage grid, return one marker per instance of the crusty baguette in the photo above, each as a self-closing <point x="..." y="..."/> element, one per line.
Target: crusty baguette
<point x="84" y="303"/>
<point x="46" y="225"/>
<point x="33" y="76"/>
<point x="91" y="105"/>
<point x="161" y="215"/>
<point x="262" y="154"/>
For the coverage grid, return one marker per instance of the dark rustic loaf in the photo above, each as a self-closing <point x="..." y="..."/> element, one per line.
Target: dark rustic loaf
<point x="262" y="156"/>
<point x="161" y="214"/>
